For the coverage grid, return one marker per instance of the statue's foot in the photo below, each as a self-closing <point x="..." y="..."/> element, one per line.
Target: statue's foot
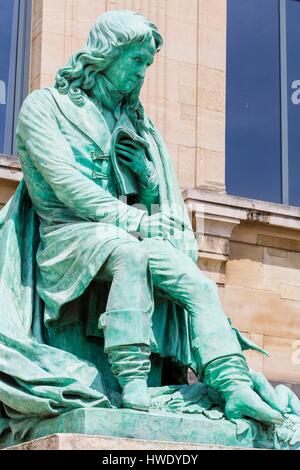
<point x="136" y="395"/>
<point x="244" y="403"/>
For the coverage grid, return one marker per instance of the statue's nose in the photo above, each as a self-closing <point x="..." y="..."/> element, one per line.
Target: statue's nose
<point x="141" y="73"/>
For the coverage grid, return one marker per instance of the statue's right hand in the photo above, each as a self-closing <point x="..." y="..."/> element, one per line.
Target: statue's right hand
<point x="159" y="225"/>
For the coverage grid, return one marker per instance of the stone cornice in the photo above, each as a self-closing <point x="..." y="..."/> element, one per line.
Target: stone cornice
<point x="244" y="209"/>
<point x="10" y="169"/>
<point x="216" y="215"/>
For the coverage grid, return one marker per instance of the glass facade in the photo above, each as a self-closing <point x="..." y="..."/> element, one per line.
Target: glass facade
<point x="14" y="66"/>
<point x="263" y="100"/>
<point x="7" y="65"/>
<point x="293" y="81"/>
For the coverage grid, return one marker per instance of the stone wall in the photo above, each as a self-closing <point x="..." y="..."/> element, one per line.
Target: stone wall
<point x="252" y="250"/>
<point x="262" y="295"/>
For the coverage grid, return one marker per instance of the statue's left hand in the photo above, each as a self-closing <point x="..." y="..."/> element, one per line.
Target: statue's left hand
<point x="132" y="155"/>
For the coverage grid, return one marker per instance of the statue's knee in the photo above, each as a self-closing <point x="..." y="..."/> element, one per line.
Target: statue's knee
<point x="138" y="256"/>
<point x="206" y="286"/>
<point x="133" y="256"/>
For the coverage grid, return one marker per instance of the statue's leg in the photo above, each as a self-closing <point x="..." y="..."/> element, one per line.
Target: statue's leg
<point x="127" y="321"/>
<point x="183" y="282"/>
<point x="216" y="349"/>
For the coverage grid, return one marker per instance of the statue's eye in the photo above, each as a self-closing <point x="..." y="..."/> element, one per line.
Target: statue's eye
<point x="138" y="60"/>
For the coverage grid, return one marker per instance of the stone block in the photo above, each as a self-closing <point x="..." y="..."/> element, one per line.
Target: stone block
<point x="188" y="74"/>
<point x="35" y="60"/>
<point x="37" y="18"/>
<point x="178" y="131"/>
<point x="254" y="358"/>
<point x="211" y="79"/>
<point x="211" y="99"/>
<point x="160" y="120"/>
<point x="172" y="80"/>
<point x="244" y="267"/>
<point x="82" y="442"/>
<point x="188" y="113"/>
<point x="95" y="9"/>
<point x="290" y="292"/>
<point x="157" y="425"/>
<point x="186" y="165"/>
<point x="212" y="13"/>
<point x="152" y="82"/>
<point x="280" y="269"/>
<point x="173" y="9"/>
<point x="54" y="18"/>
<point x="53" y="52"/>
<point x="189" y="11"/>
<point x="210" y="130"/>
<point x="210" y="168"/>
<point x="249" y="232"/>
<point x="276" y="253"/>
<point x="181" y="41"/>
<point x="283" y="365"/>
<point x="46" y="80"/>
<point x="186" y="11"/>
<point x="161" y="80"/>
<point x="213" y="268"/>
<point x="212" y="47"/>
<point x="278" y="242"/>
<point x="215" y="244"/>
<point x="188" y="95"/>
<point x="262" y="312"/>
<point x="8" y="188"/>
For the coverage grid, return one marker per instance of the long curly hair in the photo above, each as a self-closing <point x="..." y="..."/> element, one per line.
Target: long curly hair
<point x="110" y="34"/>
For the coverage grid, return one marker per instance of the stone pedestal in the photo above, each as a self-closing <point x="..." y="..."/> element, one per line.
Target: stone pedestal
<point x="139" y="428"/>
<point x="83" y="442"/>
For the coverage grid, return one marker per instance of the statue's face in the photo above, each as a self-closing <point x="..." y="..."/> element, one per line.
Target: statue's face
<point x="130" y="68"/>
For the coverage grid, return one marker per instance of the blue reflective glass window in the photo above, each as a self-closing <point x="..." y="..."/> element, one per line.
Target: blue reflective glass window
<point x="15" y="34"/>
<point x="293" y="72"/>
<point x="8" y="15"/>
<point x="253" y="114"/>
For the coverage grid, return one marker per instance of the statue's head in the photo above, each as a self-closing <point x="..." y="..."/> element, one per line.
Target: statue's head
<point x="121" y="45"/>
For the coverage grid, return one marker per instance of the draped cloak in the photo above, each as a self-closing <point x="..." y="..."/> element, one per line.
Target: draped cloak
<point x="52" y="248"/>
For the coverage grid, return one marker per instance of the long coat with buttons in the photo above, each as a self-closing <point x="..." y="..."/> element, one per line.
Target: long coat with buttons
<point x="62" y="148"/>
<point x="55" y="233"/>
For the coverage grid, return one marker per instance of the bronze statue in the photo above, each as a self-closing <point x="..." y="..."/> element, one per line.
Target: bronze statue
<point x="101" y="244"/>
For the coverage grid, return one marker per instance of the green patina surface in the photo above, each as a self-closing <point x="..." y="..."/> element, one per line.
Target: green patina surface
<point x="167" y="421"/>
<point x="99" y="284"/>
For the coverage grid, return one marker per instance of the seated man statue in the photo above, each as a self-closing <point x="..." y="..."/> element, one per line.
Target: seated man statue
<point x="109" y="210"/>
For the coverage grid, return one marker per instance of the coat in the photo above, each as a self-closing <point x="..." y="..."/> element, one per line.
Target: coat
<point x="56" y="233"/>
<point x="81" y="222"/>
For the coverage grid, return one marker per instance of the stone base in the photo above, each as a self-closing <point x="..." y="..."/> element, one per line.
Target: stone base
<point x="82" y="442"/>
<point x="164" y="427"/>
